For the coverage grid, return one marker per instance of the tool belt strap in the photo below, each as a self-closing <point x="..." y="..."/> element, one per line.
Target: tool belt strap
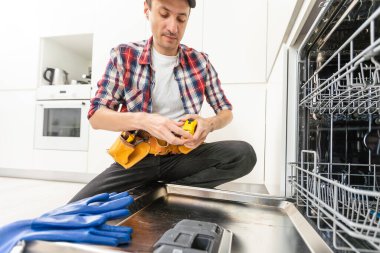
<point x="128" y="154"/>
<point x="160" y="147"/>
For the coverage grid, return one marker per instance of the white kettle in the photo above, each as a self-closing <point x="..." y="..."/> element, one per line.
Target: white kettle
<point x="56" y="76"/>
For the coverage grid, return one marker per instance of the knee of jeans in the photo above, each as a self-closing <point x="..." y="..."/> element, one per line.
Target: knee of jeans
<point x="248" y="158"/>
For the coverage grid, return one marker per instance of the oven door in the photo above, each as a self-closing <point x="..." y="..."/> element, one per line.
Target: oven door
<point x="62" y="125"/>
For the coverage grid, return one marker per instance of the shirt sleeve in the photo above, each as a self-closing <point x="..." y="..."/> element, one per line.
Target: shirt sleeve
<point x="214" y="93"/>
<point x="110" y="86"/>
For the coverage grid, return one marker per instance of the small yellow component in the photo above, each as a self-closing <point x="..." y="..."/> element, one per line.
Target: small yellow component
<point x="190" y="126"/>
<point x="132" y="136"/>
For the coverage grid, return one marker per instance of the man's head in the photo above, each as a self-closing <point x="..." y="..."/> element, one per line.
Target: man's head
<point x="168" y="20"/>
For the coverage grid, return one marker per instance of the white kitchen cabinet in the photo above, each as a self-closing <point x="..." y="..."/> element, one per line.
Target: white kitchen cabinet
<point x="57" y="160"/>
<point x="63" y="17"/>
<point x="281" y="16"/>
<point x="23" y="23"/>
<point x="248" y="124"/>
<point x="17" y="129"/>
<point x="18" y="45"/>
<point x="17" y="139"/>
<point x="234" y="36"/>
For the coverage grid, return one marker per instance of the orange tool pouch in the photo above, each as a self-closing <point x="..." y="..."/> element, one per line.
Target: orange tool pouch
<point x="128" y="154"/>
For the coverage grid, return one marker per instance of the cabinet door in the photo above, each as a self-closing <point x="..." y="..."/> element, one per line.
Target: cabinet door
<point x="17" y="129"/>
<point x="234" y="36"/>
<point x="281" y="16"/>
<point x="18" y="45"/>
<point x="63" y="17"/>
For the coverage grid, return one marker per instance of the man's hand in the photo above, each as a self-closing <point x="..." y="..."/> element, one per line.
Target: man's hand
<point x="206" y="125"/>
<point x="203" y="129"/>
<point x="165" y="129"/>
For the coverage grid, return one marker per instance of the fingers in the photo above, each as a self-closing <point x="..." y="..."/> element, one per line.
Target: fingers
<point x="122" y="237"/>
<point x="112" y="228"/>
<point x="96" y="198"/>
<point x="179" y="131"/>
<point x="193" y="145"/>
<point x="116" y="214"/>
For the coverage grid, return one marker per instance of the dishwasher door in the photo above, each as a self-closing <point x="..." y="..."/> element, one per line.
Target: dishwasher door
<point x="259" y="223"/>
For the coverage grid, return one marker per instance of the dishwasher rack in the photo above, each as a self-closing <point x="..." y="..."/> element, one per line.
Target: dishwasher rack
<point x="355" y="85"/>
<point x="349" y="213"/>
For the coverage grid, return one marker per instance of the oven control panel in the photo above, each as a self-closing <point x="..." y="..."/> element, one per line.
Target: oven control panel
<point x="63" y="92"/>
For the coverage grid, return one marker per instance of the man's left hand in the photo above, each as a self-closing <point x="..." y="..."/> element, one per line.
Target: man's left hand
<point x="201" y="132"/>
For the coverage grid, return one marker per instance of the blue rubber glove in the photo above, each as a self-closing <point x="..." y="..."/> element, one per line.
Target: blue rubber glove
<point x="100" y="203"/>
<point x="80" y="221"/>
<point x="22" y="230"/>
<point x="88" y="212"/>
<point x="77" y="220"/>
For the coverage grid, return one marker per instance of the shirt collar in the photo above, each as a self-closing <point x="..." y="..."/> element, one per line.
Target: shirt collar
<point x="146" y="54"/>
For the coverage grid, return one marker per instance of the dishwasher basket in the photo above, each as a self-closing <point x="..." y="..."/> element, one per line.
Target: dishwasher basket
<point x="354" y="87"/>
<point x="347" y="212"/>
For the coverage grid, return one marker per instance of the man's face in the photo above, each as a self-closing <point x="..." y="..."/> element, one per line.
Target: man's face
<point x="168" y="20"/>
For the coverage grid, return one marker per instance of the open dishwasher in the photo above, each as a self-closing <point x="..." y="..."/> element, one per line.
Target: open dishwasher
<point x="336" y="179"/>
<point x="335" y="196"/>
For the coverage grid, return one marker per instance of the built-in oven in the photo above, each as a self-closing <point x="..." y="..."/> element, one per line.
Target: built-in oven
<point x="61" y="117"/>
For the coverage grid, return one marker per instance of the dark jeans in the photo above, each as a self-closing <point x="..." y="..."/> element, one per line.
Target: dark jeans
<point x="209" y="165"/>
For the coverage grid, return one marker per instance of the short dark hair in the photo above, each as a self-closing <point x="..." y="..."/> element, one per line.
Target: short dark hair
<point x="149" y="2"/>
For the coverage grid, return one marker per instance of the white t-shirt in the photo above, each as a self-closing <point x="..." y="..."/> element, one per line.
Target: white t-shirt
<point x="166" y="98"/>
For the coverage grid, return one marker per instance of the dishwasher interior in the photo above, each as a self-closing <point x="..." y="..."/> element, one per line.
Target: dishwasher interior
<point x="336" y="179"/>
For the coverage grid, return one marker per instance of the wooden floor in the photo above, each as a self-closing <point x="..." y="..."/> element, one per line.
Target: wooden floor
<point x="26" y="198"/>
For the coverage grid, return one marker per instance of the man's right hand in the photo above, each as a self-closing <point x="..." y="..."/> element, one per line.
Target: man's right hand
<point x="165" y="129"/>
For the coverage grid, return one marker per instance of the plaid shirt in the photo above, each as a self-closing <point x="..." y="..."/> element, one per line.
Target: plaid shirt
<point x="129" y="79"/>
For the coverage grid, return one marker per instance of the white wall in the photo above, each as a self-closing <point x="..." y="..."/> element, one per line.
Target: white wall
<point x="248" y="124"/>
<point x="275" y="140"/>
<point x="281" y="16"/>
<point x="235" y="38"/>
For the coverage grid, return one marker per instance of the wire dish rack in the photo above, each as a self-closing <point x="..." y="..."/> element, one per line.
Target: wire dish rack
<point x="344" y="204"/>
<point x="355" y="85"/>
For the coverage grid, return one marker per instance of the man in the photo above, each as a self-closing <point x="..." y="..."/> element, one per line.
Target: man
<point x="160" y="83"/>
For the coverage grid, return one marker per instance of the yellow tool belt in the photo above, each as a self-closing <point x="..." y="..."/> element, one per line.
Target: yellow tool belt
<point x="128" y="153"/>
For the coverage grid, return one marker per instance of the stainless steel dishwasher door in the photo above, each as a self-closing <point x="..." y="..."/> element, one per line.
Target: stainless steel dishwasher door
<point x="259" y="223"/>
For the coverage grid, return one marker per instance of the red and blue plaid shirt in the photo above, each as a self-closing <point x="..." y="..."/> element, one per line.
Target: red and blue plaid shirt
<point x="129" y="78"/>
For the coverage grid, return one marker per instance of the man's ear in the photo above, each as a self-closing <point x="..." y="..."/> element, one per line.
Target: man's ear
<point x="146" y="9"/>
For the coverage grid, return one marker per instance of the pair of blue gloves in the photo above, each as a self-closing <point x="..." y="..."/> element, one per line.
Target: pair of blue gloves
<point x="82" y="221"/>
